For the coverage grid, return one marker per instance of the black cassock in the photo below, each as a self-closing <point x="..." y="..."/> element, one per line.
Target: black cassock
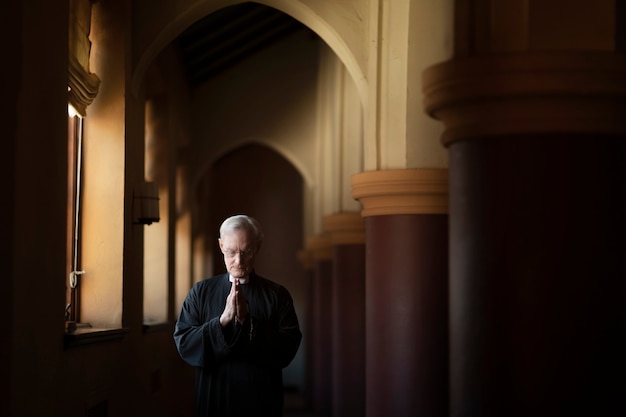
<point x="239" y="367"/>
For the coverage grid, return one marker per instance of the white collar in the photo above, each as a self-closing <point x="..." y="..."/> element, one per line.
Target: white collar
<point x="243" y="280"/>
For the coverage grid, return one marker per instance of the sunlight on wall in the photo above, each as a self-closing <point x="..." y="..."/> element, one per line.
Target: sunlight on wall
<point x="156" y="253"/>
<point x="103" y="220"/>
<point x="155" y="265"/>
<point x="103" y="215"/>
<point x="199" y="259"/>
<point x="183" y="258"/>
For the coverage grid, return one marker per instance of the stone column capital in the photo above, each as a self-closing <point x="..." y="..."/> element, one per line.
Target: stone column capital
<point x="319" y="247"/>
<point x="345" y="228"/>
<point x="402" y="191"/>
<point x="528" y="93"/>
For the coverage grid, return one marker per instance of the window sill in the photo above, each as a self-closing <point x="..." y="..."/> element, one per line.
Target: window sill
<point x="85" y="335"/>
<point x="155" y="327"/>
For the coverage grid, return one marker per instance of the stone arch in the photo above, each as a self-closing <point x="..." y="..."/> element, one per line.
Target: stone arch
<point x="295" y="9"/>
<point x="267" y="142"/>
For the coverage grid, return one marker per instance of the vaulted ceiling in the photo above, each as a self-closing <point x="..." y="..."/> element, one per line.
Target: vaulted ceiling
<point x="222" y="39"/>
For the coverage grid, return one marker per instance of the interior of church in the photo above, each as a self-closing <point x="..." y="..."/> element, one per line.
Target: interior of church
<point x="441" y="185"/>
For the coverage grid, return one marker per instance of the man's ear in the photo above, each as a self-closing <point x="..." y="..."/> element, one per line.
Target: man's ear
<point x="221" y="244"/>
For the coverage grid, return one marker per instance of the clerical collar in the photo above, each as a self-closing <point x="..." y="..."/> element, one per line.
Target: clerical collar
<point x="242" y="280"/>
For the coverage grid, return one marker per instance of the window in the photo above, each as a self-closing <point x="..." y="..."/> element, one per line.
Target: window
<point x="74" y="146"/>
<point x="82" y="89"/>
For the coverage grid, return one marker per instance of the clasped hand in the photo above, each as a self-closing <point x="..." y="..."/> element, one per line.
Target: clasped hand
<point x="236" y="306"/>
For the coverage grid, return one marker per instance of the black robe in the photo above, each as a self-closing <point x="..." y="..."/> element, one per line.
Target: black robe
<point x="239" y="367"/>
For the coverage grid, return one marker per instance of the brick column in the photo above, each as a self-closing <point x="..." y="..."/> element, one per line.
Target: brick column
<point x="347" y="235"/>
<point x="322" y="324"/>
<point x="406" y="291"/>
<point x="537" y="232"/>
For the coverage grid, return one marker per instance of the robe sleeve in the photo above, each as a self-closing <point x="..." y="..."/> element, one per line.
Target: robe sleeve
<point x="200" y="340"/>
<point x="272" y="339"/>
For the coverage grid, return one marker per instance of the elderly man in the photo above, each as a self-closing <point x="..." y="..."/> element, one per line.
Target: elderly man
<point x="239" y="330"/>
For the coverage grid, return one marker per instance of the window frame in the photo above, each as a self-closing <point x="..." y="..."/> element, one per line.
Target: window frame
<point x="74" y="202"/>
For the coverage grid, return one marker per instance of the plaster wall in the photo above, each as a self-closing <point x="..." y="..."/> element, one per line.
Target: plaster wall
<point x="36" y="149"/>
<point x="140" y="373"/>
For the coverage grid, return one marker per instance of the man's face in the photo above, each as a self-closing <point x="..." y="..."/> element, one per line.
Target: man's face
<point x="239" y="252"/>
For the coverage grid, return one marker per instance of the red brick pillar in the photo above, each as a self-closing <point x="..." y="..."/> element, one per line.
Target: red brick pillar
<point x="537" y="145"/>
<point x="347" y="235"/>
<point x="406" y="307"/>
<point x="322" y="324"/>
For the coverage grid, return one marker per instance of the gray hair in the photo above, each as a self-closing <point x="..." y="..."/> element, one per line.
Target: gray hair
<point x="241" y="221"/>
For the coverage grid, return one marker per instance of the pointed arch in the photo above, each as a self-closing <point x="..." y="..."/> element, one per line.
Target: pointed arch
<point x="276" y="147"/>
